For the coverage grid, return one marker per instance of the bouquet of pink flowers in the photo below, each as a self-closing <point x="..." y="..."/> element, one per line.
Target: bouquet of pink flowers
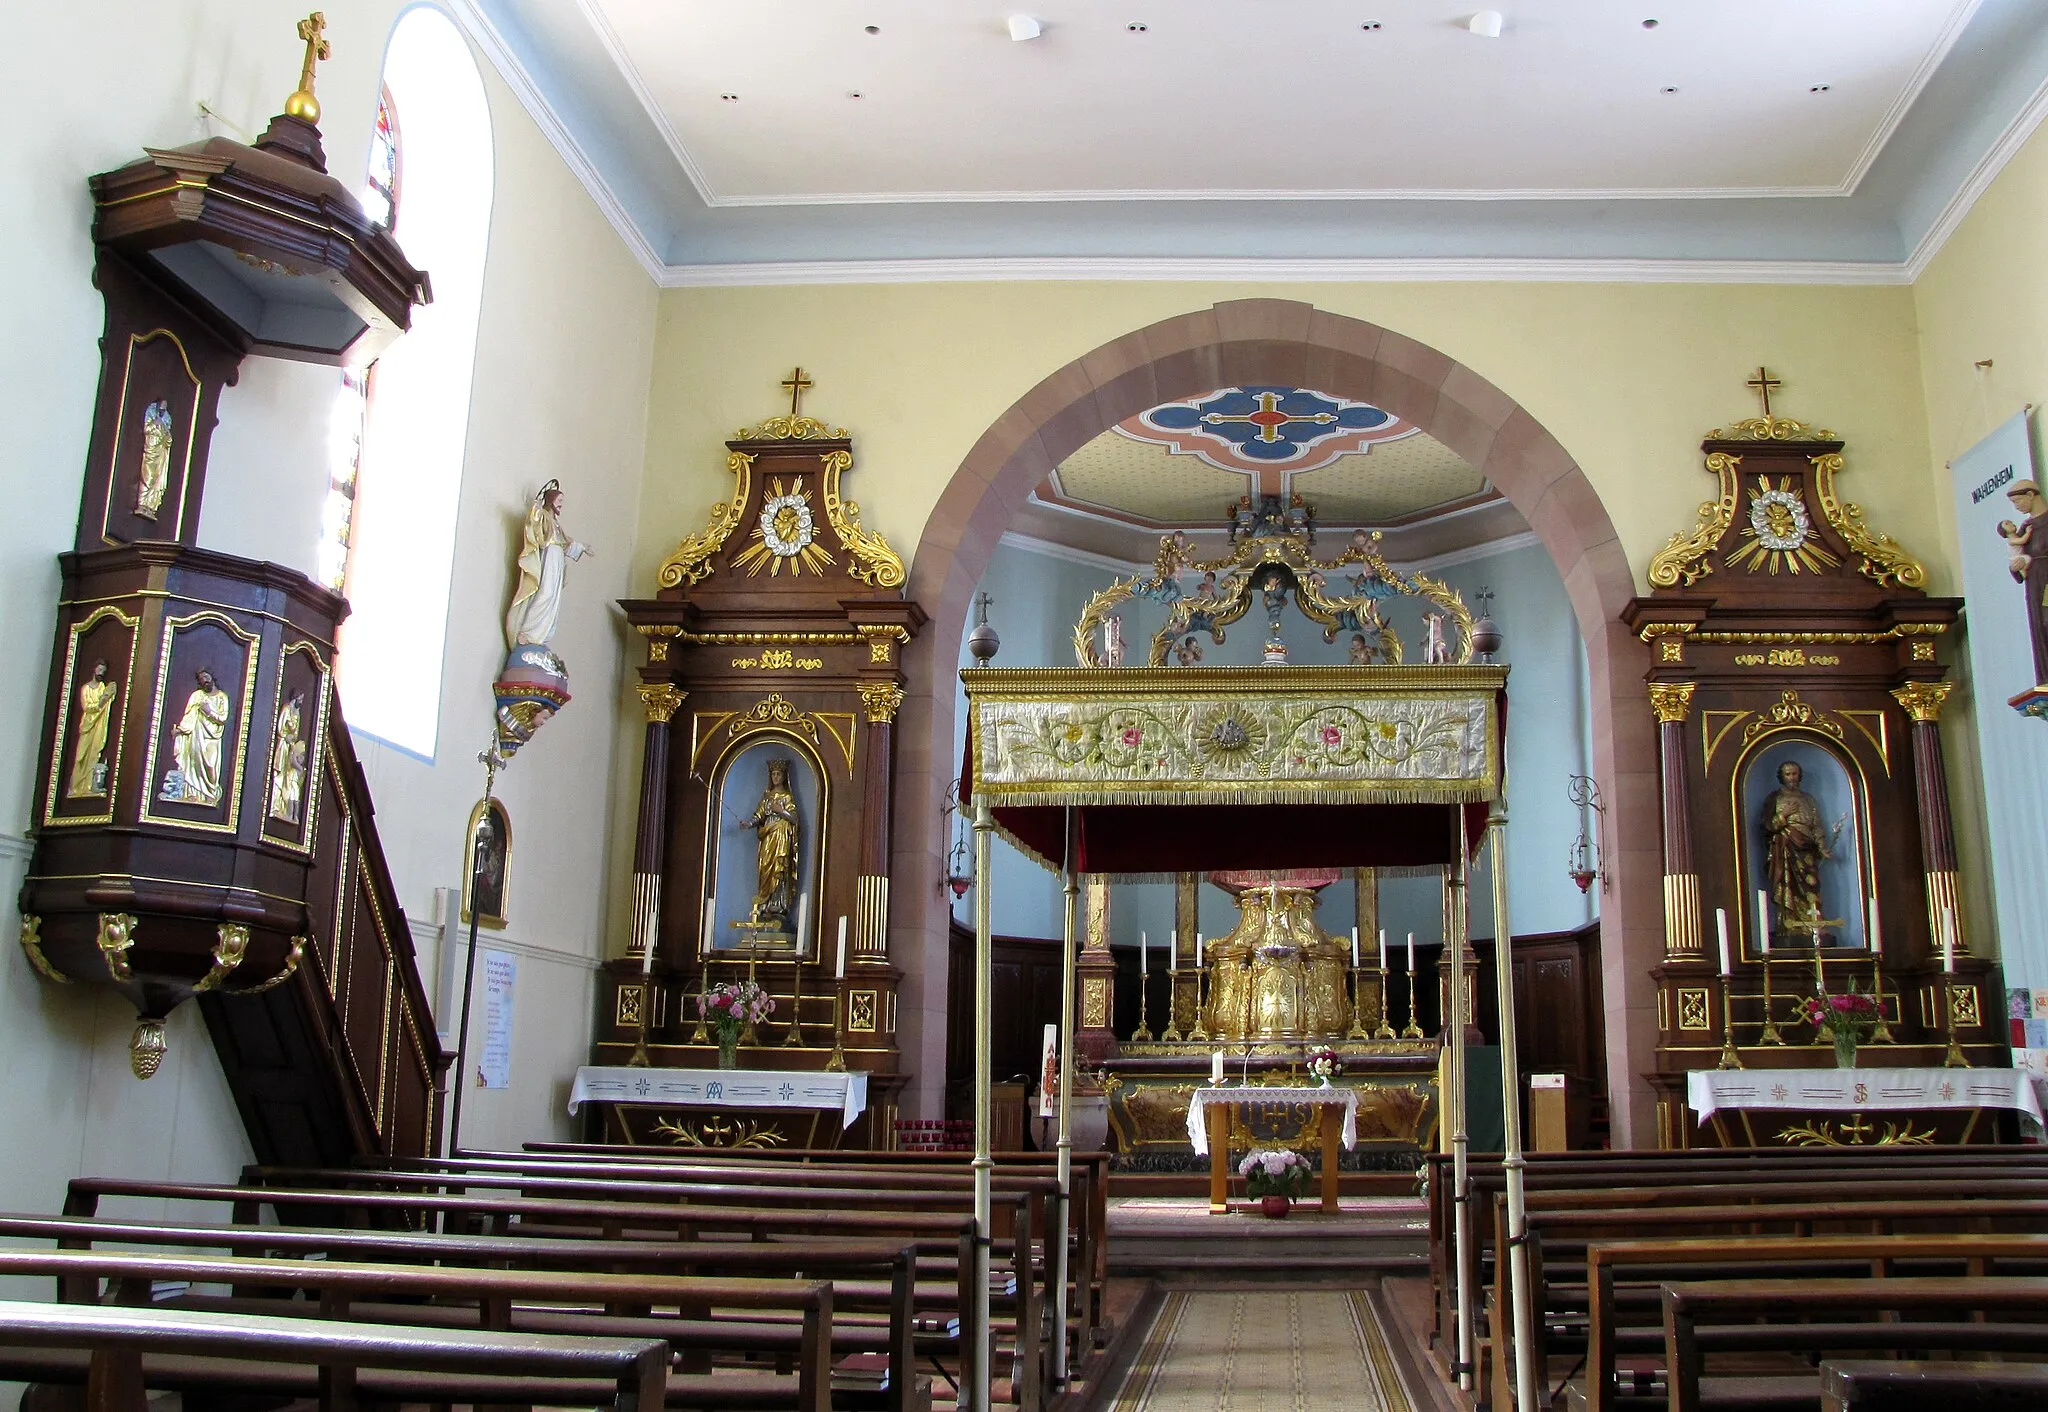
<point x="1274" y="1173"/>
<point x="730" y="1007"/>
<point x="1852" y="1015"/>
<point x="1324" y="1064"/>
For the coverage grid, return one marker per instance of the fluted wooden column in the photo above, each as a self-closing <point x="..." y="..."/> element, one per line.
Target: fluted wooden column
<point x="1094" y="1037"/>
<point x="650" y="837"/>
<point x="880" y="701"/>
<point x="1672" y="702"/>
<point x="1923" y="702"/>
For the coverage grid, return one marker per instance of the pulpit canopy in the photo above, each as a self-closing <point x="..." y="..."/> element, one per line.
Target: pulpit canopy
<point x="1169" y="770"/>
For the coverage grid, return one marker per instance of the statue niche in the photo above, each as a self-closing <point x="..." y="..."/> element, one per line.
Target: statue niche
<point x="767" y="827"/>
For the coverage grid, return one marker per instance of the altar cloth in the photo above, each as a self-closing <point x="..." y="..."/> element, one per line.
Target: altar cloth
<point x="1852" y="1090"/>
<point x="1334" y="1096"/>
<point x="721" y="1088"/>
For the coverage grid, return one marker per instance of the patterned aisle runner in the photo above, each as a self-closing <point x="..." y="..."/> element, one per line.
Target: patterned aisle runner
<point x="1265" y="1351"/>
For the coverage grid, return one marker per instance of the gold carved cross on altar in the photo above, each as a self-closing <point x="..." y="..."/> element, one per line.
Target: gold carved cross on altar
<point x="1763" y="382"/>
<point x="798" y="385"/>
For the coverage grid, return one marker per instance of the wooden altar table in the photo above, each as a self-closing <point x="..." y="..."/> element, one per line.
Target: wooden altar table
<point x="1858" y="1091"/>
<point x="1209" y="1131"/>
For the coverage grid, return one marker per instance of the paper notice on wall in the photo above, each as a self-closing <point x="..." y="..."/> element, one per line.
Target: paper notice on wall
<point x="494" y="1063"/>
<point x="2012" y="749"/>
<point x="1049" y="1073"/>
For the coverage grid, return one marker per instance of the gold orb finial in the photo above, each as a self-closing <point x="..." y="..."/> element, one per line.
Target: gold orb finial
<point x="302" y="103"/>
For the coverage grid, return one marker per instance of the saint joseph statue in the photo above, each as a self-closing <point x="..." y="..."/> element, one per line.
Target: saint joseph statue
<point x="1795" y="843"/>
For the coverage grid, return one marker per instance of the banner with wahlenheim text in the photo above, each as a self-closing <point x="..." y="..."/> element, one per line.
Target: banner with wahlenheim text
<point x="2013" y="749"/>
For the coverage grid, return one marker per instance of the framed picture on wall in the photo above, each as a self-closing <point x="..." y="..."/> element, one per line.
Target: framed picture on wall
<point x="488" y="862"/>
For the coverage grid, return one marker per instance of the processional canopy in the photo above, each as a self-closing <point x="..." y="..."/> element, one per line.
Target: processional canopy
<point x="1172" y="769"/>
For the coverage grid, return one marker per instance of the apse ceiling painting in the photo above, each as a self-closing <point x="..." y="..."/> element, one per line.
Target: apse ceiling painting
<point x="1183" y="464"/>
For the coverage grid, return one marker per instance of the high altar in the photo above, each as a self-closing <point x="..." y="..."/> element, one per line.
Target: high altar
<point x="1274" y="781"/>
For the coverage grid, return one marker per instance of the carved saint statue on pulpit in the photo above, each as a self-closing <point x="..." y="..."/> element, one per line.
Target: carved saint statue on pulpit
<point x="288" y="762"/>
<point x="775" y="853"/>
<point x="95" y="704"/>
<point x="196" y="746"/>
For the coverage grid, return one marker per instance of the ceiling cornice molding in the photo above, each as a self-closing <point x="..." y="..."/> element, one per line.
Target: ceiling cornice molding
<point x="1333" y="270"/>
<point x="1958" y="20"/>
<point x="1067" y="553"/>
<point x="594" y="16"/>
<point x="1485" y="549"/>
<point x="484" y="35"/>
<point x="1987" y="170"/>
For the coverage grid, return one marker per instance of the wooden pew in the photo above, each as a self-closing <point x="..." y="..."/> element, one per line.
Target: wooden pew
<point x="617" y="1219"/>
<point x="1018" y="1206"/>
<point x="1907" y="1385"/>
<point x="531" y="1253"/>
<point x="1716" y="1317"/>
<point x="1643" y="1265"/>
<point x="497" y="1299"/>
<point x="120" y="1353"/>
<point x="1089" y="1200"/>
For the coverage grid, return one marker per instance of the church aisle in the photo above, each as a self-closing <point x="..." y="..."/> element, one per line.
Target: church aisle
<point x="1270" y="1349"/>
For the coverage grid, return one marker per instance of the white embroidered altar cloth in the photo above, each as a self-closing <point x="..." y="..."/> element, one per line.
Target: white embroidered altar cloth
<point x="721" y="1088"/>
<point x="1334" y="1096"/>
<point x="1852" y="1090"/>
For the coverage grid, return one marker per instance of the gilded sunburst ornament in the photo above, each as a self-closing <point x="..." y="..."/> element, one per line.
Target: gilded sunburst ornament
<point x="786" y="532"/>
<point x="1778" y="534"/>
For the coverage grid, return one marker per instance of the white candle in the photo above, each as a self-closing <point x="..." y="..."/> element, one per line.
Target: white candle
<point x="1383" y="951"/>
<point x="1215" y="1066"/>
<point x="1876" y="932"/>
<point x="840" y="971"/>
<point x="1173" y="952"/>
<point x="1354" y="948"/>
<point x="710" y="919"/>
<point x="1411" y="953"/>
<point x="1721" y="925"/>
<point x="1141" y="953"/>
<point x="1763" y="923"/>
<point x="647" y="959"/>
<point x="1198" y="951"/>
<point x="1948" y="940"/>
<point x="803" y="919"/>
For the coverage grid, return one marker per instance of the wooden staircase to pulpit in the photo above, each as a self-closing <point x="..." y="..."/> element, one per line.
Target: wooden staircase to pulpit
<point x="202" y="827"/>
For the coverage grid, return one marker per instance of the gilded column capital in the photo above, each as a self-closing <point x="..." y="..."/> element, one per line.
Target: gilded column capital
<point x="661" y="701"/>
<point x="1923" y="699"/>
<point x="882" y="699"/>
<point x="1671" y="700"/>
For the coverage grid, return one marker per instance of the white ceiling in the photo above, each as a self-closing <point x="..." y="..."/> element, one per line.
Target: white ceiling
<point x="1277" y="139"/>
<point x="1233" y="99"/>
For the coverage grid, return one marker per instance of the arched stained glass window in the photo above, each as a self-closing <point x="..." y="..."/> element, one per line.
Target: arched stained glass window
<point x="400" y="427"/>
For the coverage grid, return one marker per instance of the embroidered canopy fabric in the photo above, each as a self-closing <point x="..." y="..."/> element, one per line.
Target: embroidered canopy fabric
<point x="1179" y="769"/>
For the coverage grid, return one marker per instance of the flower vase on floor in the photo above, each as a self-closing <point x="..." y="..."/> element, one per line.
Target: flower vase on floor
<point x="1845" y="1051"/>
<point x="1275" y="1207"/>
<point x="1274" y="1179"/>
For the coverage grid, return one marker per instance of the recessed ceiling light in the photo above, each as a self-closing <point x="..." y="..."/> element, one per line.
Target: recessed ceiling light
<point x="729" y="97"/>
<point x="1649" y="24"/>
<point x="856" y="93"/>
<point x="1672" y="89"/>
<point x="1820" y="88"/>
<point x="1137" y="26"/>
<point x="1370" y="25"/>
<point x="871" y="29"/>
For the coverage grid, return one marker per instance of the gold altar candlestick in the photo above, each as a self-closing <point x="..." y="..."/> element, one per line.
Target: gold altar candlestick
<point x="1883" y="1033"/>
<point x="701" y="1035"/>
<point x="640" y="1059"/>
<point x="1201" y="1030"/>
<point x="1358" y="1030"/>
<point x="1143" y="1033"/>
<point x="1729" y="1058"/>
<point x="1413" y="1029"/>
<point x="1955" y="1058"/>
<point x="795" y="1038"/>
<point x="835" y="1062"/>
<point x="747" y="1034"/>
<point x="1770" y="1034"/>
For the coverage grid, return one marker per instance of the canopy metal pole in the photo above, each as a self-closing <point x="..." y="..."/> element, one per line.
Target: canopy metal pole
<point x="1066" y="1137"/>
<point x="1454" y="1020"/>
<point x="976" y="1388"/>
<point x="1526" y="1371"/>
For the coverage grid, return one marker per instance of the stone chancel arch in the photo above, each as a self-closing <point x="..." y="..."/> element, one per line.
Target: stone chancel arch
<point x="1274" y="341"/>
